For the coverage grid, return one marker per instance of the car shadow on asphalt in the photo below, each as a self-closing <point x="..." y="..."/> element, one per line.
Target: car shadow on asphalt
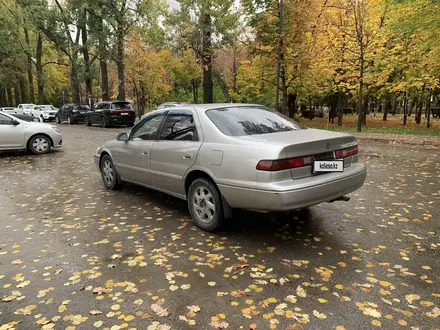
<point x="296" y="227"/>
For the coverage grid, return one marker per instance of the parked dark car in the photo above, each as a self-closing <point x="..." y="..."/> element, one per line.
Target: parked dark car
<point x="111" y="113"/>
<point x="72" y="113"/>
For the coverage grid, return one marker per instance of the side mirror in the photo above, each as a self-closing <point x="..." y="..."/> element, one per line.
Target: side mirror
<point x="122" y="137"/>
<point x="15" y="122"/>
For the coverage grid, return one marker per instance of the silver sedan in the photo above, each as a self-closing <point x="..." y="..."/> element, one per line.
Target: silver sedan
<point x="224" y="156"/>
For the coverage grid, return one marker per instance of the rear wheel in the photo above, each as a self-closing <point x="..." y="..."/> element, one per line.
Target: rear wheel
<point x="39" y="144"/>
<point x="205" y="205"/>
<point x="110" y="176"/>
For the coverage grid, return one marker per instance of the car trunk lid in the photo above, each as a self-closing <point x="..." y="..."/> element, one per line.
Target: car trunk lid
<point x="317" y="144"/>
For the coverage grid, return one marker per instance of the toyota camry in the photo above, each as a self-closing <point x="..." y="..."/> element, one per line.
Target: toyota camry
<point x="219" y="157"/>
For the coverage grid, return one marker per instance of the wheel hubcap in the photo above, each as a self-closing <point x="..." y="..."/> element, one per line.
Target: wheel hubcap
<point x="107" y="172"/>
<point x="204" y="205"/>
<point x="40" y="145"/>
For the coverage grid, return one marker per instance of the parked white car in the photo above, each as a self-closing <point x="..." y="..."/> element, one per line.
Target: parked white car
<point x="25" y="109"/>
<point x="10" y="110"/>
<point x="44" y="112"/>
<point x="39" y="138"/>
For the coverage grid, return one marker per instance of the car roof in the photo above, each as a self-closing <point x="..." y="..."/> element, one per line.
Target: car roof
<point x="206" y="107"/>
<point x="115" y="101"/>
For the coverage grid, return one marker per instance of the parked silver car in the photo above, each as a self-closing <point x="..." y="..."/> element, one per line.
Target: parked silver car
<point x="19" y="134"/>
<point x="224" y="156"/>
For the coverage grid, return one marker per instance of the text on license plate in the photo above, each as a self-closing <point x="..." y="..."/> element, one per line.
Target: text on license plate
<point x="124" y="114"/>
<point x="328" y="166"/>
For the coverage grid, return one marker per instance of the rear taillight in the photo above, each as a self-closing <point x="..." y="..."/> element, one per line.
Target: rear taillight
<point x="284" y="164"/>
<point x="346" y="152"/>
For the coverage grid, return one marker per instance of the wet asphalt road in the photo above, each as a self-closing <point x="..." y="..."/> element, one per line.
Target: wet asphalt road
<point x="76" y="256"/>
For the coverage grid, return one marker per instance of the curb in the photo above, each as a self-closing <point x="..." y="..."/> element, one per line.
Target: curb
<point x="400" y="141"/>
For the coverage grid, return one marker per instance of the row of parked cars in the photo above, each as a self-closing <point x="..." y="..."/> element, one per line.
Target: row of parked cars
<point x="105" y="114"/>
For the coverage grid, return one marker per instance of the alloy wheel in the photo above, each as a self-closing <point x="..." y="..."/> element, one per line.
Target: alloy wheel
<point x="204" y="204"/>
<point x="108" y="172"/>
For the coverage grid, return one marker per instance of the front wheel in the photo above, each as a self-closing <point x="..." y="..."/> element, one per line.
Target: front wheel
<point x="110" y="176"/>
<point x="205" y="205"/>
<point x="39" y="145"/>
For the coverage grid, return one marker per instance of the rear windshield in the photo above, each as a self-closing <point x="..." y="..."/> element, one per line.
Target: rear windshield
<point x="121" y="106"/>
<point x="240" y="121"/>
<point x="81" y="107"/>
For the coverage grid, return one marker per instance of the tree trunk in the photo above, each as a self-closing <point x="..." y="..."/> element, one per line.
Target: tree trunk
<point x="120" y="61"/>
<point x="283" y="85"/>
<point x="365" y="110"/>
<point x="361" y="87"/>
<point x="102" y="46"/>
<point x="208" y="85"/>
<point x="10" y="101"/>
<point x="405" y="109"/>
<point x="22" y="84"/>
<point x="428" y="110"/>
<point x="234" y="74"/>
<point x="387" y="107"/>
<point x="29" y="69"/>
<point x="339" y="107"/>
<point x="291" y="104"/>
<point x="3" y="101"/>
<point x="420" y="107"/>
<point x="195" y="90"/>
<point x="39" y="68"/>
<point x="17" y="94"/>
<point x="74" y="81"/>
<point x="413" y="104"/>
<point x="333" y="107"/>
<point x="85" y="51"/>
<point x="379" y="109"/>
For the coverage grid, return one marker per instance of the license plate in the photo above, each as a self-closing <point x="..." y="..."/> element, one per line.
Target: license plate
<point x="124" y="114"/>
<point x="328" y="166"/>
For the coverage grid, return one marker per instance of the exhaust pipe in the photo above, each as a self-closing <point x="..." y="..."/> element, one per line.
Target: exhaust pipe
<point x="341" y="199"/>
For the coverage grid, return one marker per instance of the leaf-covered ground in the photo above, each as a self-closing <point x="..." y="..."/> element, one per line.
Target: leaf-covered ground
<point x="75" y="256"/>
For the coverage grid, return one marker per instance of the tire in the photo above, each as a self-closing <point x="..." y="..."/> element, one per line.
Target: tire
<point x="110" y="176"/>
<point x="205" y="205"/>
<point x="88" y="122"/>
<point x="104" y="122"/>
<point x="69" y="120"/>
<point x="39" y="144"/>
<point x="41" y="119"/>
<point x="57" y="119"/>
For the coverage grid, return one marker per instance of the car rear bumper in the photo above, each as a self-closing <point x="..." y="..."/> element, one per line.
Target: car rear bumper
<point x="300" y="193"/>
<point x="78" y="117"/>
<point x="121" y="121"/>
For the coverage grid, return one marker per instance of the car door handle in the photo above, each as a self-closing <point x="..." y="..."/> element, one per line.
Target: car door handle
<point x="188" y="157"/>
<point x="145" y="153"/>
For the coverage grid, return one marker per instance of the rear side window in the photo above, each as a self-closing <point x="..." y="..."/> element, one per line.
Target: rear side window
<point x="179" y="126"/>
<point x="121" y="106"/>
<point x="240" y="121"/>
